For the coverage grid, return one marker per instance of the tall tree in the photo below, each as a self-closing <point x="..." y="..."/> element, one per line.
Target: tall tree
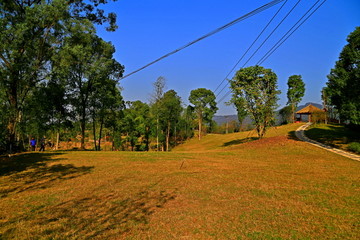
<point x="86" y="61"/>
<point x="204" y="104"/>
<point x="136" y="125"/>
<point x="170" y="110"/>
<point x="295" y="92"/>
<point x="30" y="32"/>
<point x="257" y="88"/>
<point x="343" y="86"/>
<point x="159" y="87"/>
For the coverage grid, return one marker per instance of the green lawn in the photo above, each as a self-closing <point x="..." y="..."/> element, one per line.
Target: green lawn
<point x="274" y="188"/>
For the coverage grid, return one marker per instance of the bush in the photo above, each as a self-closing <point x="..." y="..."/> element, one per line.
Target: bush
<point x="354" y="146"/>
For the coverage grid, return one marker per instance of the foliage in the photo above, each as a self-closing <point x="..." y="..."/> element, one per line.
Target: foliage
<point x="296" y="91"/>
<point x="204" y="104"/>
<point x="86" y="63"/>
<point x="31" y="32"/>
<point x="159" y="86"/>
<point x="343" y="86"/>
<point x="256" y="87"/>
<point x="169" y="112"/>
<point x="286" y="114"/>
<point x="354" y="146"/>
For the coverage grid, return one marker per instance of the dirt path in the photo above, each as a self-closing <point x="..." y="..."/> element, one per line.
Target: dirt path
<point x="301" y="135"/>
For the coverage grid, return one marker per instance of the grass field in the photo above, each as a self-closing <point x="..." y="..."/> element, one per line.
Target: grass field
<point x="223" y="187"/>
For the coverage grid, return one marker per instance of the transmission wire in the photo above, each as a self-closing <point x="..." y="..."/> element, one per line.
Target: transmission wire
<point x="273" y="49"/>
<point x="250" y="14"/>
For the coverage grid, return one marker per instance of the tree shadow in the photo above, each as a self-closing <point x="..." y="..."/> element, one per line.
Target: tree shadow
<point x="96" y="216"/>
<point x="35" y="171"/>
<point x="22" y="162"/>
<point x="292" y="136"/>
<point x="240" y="141"/>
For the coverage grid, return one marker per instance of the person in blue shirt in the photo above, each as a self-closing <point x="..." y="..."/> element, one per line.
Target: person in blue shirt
<point x="33" y="144"/>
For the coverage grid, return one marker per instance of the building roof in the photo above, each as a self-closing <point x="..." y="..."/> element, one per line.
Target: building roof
<point x="309" y="109"/>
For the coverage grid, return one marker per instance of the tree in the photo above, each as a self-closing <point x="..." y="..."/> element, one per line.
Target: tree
<point x="136" y="125"/>
<point x="170" y="110"/>
<point x="159" y="86"/>
<point x="86" y="61"/>
<point x="343" y="86"/>
<point x="204" y="105"/>
<point x="30" y="33"/>
<point x="296" y="91"/>
<point x="257" y="88"/>
<point x="286" y="114"/>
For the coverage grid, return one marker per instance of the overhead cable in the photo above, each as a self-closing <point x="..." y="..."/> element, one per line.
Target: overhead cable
<point x="267" y="38"/>
<point x="284" y="38"/>
<point x="237" y="63"/>
<point x="250" y="14"/>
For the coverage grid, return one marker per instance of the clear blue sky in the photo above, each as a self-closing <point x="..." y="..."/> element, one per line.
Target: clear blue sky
<point x="150" y="29"/>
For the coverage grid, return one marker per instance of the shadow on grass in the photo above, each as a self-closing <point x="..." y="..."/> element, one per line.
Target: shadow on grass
<point x="333" y="134"/>
<point x="33" y="171"/>
<point x="292" y="135"/>
<point x="96" y="216"/>
<point x="240" y="141"/>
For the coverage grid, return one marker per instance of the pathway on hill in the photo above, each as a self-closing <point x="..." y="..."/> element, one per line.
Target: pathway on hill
<point x="301" y="135"/>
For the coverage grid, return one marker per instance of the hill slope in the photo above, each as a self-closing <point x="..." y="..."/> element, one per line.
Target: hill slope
<point x="232" y="140"/>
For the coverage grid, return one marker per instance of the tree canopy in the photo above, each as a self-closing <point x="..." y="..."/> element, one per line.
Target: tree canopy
<point x="204" y="104"/>
<point x="296" y="91"/>
<point x="256" y="88"/>
<point x="343" y="86"/>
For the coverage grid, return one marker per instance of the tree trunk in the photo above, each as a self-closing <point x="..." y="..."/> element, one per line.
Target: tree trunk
<point x="157" y="133"/>
<point x="57" y="140"/>
<point x="100" y="133"/>
<point x="94" y="133"/>
<point x="82" y="143"/>
<point x="168" y="136"/>
<point x="200" y="125"/>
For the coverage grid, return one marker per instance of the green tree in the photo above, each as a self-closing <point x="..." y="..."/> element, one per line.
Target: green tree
<point x="295" y="92"/>
<point x="30" y="33"/>
<point x="257" y="88"/>
<point x="286" y="114"/>
<point x="159" y="86"/>
<point x="136" y="125"/>
<point x="105" y="103"/>
<point x="343" y="86"/>
<point x="170" y="111"/>
<point x="86" y="61"/>
<point x="204" y="105"/>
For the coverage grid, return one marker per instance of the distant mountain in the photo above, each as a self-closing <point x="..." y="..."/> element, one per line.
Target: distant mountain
<point x="228" y="118"/>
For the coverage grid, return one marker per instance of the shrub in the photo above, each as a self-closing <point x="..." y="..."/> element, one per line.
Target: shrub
<point x="354" y="146"/>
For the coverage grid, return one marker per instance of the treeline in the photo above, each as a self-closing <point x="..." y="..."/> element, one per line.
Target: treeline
<point x="60" y="80"/>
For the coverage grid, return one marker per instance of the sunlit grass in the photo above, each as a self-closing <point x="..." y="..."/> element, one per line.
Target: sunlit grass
<point x="274" y="188"/>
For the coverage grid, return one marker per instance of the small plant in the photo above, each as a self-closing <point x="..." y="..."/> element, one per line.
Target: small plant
<point x="354" y="146"/>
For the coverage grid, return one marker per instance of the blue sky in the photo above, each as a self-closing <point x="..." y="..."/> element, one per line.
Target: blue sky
<point x="150" y="29"/>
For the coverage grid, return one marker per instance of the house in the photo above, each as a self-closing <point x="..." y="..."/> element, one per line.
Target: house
<point x="310" y="112"/>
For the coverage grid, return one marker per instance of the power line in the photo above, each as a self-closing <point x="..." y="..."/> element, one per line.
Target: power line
<point x="267" y="38"/>
<point x="237" y="63"/>
<point x="284" y="38"/>
<point x="273" y="49"/>
<point x="250" y="14"/>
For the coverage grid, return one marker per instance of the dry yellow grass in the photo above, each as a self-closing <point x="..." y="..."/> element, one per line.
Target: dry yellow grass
<point x="275" y="188"/>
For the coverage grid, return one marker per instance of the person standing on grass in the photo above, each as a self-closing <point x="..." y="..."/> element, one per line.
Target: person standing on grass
<point x="33" y="144"/>
<point x="42" y="144"/>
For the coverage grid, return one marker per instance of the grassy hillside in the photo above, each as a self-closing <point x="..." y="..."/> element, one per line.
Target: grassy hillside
<point x="224" y="142"/>
<point x="276" y="188"/>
